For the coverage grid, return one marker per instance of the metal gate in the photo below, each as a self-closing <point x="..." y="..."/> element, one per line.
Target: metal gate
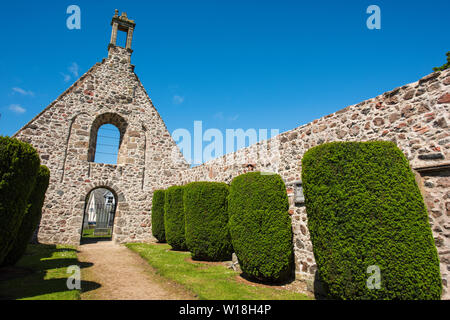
<point x="99" y="220"/>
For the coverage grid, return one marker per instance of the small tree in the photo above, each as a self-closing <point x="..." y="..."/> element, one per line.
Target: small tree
<point x="31" y="219"/>
<point x="445" y="66"/>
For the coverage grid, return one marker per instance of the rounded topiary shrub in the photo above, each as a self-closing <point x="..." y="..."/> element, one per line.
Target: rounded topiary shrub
<point x="366" y="218"/>
<point x="19" y="164"/>
<point x="31" y="219"/>
<point x="205" y="209"/>
<point x="174" y="218"/>
<point x="158" y="215"/>
<point x="260" y="226"/>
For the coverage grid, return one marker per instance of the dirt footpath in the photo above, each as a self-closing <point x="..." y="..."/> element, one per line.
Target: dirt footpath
<point x="124" y="275"/>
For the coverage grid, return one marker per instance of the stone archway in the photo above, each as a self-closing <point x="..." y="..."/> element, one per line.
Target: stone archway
<point x="98" y="216"/>
<point x="120" y="206"/>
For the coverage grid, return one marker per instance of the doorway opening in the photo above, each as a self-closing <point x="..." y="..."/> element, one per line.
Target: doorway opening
<point x="98" y="218"/>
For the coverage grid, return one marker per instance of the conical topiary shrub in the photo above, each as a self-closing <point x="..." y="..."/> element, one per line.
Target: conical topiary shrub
<point x="368" y="223"/>
<point x="19" y="165"/>
<point x="206" y="216"/>
<point x="260" y="226"/>
<point x="158" y="230"/>
<point x="174" y="218"/>
<point x="31" y="219"/>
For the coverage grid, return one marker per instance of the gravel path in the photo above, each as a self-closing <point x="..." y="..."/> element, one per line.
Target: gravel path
<point x="124" y="275"/>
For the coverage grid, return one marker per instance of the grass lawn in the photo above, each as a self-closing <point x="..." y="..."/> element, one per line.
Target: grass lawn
<point x="40" y="274"/>
<point x="208" y="282"/>
<point x="89" y="233"/>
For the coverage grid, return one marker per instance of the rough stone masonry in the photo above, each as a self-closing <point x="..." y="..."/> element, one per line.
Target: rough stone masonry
<point x="415" y="116"/>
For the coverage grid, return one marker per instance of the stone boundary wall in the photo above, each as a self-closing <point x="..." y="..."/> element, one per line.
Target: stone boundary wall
<point x="414" y="116"/>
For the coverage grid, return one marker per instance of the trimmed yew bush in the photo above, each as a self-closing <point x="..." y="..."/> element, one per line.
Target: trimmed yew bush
<point x="365" y="209"/>
<point x="260" y="226"/>
<point x="206" y="216"/>
<point x="174" y="218"/>
<point x="158" y="215"/>
<point x="31" y="219"/>
<point x="19" y="164"/>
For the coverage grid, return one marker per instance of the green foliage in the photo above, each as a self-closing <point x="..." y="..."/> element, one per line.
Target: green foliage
<point x="31" y="219"/>
<point x="260" y="226"/>
<point x="19" y="165"/>
<point x="174" y="218"/>
<point x="205" y="209"/>
<point x="365" y="209"/>
<point x="158" y="215"/>
<point x="444" y="66"/>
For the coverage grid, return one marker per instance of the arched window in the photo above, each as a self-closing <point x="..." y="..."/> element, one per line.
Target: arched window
<point x="108" y="142"/>
<point x="106" y="137"/>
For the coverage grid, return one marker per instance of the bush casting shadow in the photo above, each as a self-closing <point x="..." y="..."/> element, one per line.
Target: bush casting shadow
<point x="93" y="240"/>
<point x="42" y="287"/>
<point x="42" y="271"/>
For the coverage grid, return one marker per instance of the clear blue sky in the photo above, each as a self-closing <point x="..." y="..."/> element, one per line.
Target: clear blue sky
<point x="232" y="64"/>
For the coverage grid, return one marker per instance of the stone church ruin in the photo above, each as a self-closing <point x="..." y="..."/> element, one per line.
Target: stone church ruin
<point x="415" y="116"/>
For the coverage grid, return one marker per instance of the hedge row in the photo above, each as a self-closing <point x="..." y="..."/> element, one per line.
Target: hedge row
<point x="210" y="219"/>
<point x="31" y="219"/>
<point x="366" y="214"/>
<point x="19" y="165"/>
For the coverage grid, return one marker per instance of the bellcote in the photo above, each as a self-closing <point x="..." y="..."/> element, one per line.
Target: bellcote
<point x="123" y="24"/>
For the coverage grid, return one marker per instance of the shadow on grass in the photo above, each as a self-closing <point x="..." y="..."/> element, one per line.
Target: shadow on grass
<point x="40" y="287"/>
<point x="42" y="274"/>
<point x="287" y="278"/>
<point x="94" y="240"/>
<point x="277" y="283"/>
<point x="63" y="263"/>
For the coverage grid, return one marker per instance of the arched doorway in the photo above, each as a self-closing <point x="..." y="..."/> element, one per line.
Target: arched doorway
<point x="99" y="213"/>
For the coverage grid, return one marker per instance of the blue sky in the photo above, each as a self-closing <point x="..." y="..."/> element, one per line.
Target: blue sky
<point x="231" y="64"/>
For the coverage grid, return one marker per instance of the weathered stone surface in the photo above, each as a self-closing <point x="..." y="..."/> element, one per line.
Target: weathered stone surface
<point x="378" y="121"/>
<point x="409" y="95"/>
<point x="394" y="117"/>
<point x="445" y="98"/>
